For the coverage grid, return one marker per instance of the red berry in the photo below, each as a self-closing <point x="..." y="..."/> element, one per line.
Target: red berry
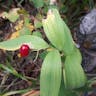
<point x="24" y="50"/>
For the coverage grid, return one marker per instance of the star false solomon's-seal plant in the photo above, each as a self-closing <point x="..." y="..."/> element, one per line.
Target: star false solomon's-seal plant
<point x="62" y="62"/>
<point x="54" y="67"/>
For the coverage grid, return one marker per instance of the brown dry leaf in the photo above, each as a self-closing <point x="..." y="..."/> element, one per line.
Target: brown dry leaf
<point x="14" y="35"/>
<point x="32" y="93"/>
<point x="31" y="27"/>
<point x="22" y="28"/>
<point x="19" y="25"/>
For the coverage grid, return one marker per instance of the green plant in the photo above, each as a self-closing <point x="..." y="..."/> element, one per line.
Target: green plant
<point x="61" y="68"/>
<point x="68" y="63"/>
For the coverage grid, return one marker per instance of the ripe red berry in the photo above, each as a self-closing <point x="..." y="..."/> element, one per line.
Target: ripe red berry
<point x="24" y="50"/>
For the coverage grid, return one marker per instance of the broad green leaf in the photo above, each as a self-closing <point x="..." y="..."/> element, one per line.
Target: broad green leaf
<point x="50" y="78"/>
<point x="66" y="92"/>
<point x="38" y="3"/>
<point x="57" y="32"/>
<point x="37" y="33"/>
<point x="73" y="73"/>
<point x="34" y="42"/>
<point x="69" y="44"/>
<point x="53" y="28"/>
<point x="43" y="55"/>
<point x="12" y="15"/>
